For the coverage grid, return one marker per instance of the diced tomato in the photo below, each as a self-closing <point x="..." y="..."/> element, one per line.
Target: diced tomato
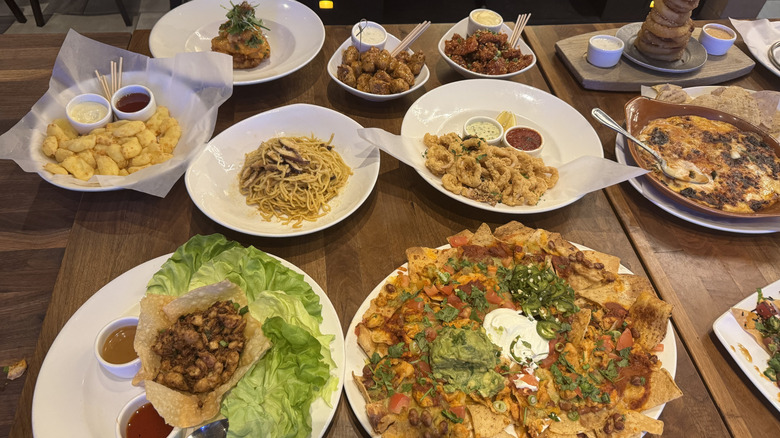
<point x="625" y="340"/>
<point x="492" y="297"/>
<point x="608" y="345"/>
<point x="456" y="241"/>
<point x="658" y="348"/>
<point x="448" y="269"/>
<point x="398" y="402"/>
<point x="447" y="289"/>
<point x="415" y="306"/>
<point x="459" y="411"/>
<point x="455" y="302"/>
<point x="529" y="379"/>
<point x="431" y="290"/>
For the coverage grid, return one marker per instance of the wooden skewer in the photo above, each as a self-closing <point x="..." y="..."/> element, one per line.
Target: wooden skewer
<point x="522" y="20"/>
<point x="103" y="84"/>
<point x="119" y="83"/>
<point x="413" y="35"/>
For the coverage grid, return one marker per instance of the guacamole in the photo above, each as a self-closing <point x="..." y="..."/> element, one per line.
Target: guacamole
<point x="466" y="359"/>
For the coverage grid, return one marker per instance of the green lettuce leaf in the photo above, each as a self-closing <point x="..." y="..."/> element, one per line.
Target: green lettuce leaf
<point x="274" y="399"/>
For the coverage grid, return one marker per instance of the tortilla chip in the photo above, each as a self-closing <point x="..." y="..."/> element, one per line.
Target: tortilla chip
<point x="624" y="291"/>
<point x="650" y="316"/>
<point x="159" y="312"/>
<point x="379" y="417"/>
<point x="514" y="232"/>
<point x="635" y="423"/>
<point x="739" y="102"/>
<point x="579" y="326"/>
<point x="671" y="93"/>
<point x="486" y="422"/>
<point x="706" y="100"/>
<point x="662" y="389"/>
<point x="767" y="101"/>
<point x="503" y="434"/>
<point x="483" y="236"/>
<point x="420" y="258"/>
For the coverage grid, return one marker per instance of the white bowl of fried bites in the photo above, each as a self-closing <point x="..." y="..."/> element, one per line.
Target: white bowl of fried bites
<point x="392" y="42"/>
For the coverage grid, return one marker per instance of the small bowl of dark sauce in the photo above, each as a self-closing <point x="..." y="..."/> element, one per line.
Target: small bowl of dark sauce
<point x="133" y="102"/>
<point x="114" y="347"/>
<point x="139" y="418"/>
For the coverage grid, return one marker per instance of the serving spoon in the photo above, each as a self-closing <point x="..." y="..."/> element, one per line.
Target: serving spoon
<point x="215" y="429"/>
<point x="690" y="176"/>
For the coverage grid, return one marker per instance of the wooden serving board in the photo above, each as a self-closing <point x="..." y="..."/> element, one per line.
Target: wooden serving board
<point x="628" y="76"/>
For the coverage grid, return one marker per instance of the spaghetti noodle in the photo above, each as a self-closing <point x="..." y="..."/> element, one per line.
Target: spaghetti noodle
<point x="293" y="178"/>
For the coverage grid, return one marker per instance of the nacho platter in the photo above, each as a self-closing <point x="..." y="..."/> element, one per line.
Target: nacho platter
<point x="744" y="349"/>
<point x="358" y="359"/>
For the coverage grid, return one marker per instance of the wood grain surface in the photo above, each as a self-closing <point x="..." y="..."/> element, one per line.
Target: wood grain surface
<point x="701" y="272"/>
<point x="85" y="240"/>
<point x="629" y="76"/>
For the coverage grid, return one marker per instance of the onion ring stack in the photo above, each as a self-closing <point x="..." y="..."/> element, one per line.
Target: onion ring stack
<point x="666" y="30"/>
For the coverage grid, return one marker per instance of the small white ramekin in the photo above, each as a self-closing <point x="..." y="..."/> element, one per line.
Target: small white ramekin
<point x="485" y="119"/>
<point x="86" y="128"/>
<point x="143" y="114"/>
<point x="361" y="45"/>
<point x="534" y="153"/>
<point x="123" y="370"/>
<point x="129" y="409"/>
<point x="474" y="25"/>
<point x="714" y="45"/>
<point x="603" y="57"/>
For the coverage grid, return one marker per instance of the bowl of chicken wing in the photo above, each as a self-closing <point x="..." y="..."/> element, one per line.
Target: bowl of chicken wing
<point x="375" y="74"/>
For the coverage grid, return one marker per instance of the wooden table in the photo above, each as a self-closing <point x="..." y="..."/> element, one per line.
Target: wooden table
<point x="701" y="272"/>
<point x="60" y="247"/>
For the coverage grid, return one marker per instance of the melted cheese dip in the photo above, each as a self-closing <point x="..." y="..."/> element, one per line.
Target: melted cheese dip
<point x="486" y="18"/>
<point x="88" y="112"/>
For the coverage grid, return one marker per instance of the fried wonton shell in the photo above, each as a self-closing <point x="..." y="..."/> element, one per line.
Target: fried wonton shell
<point x="159" y="312"/>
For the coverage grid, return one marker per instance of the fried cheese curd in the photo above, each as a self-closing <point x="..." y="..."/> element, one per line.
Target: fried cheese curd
<point x="472" y="168"/>
<point x="377" y="72"/>
<point x="601" y="372"/>
<point x="121" y="148"/>
<point x="202" y="349"/>
<point x="486" y="52"/>
<point x="242" y="37"/>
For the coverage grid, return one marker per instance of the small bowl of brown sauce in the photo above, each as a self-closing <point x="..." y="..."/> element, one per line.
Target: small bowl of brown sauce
<point x="717" y="39"/>
<point x="525" y="139"/>
<point x="138" y="418"/>
<point x="133" y="102"/>
<point x="114" y="347"/>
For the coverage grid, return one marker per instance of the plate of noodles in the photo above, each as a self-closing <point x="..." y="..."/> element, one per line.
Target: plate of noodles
<point x="272" y="175"/>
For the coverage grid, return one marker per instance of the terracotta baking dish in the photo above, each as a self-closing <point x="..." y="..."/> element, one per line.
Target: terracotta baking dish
<point x="641" y="110"/>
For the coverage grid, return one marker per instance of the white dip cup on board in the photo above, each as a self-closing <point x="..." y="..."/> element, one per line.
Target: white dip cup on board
<point x="605" y="50"/>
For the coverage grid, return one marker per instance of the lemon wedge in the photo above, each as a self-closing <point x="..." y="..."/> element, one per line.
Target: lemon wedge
<point x="506" y="119"/>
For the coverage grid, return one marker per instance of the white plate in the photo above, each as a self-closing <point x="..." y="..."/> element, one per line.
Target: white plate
<point x="460" y="28"/>
<point x="356" y="358"/>
<point x="296" y="35"/>
<point x="736" y="225"/>
<point x="734" y="338"/>
<point x="444" y="109"/>
<point x="693" y="57"/>
<point x="212" y="178"/>
<point x="74" y="393"/>
<point x="392" y="43"/>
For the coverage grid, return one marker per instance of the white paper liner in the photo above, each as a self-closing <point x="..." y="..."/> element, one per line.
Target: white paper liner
<point x="191" y="85"/>
<point x="758" y="36"/>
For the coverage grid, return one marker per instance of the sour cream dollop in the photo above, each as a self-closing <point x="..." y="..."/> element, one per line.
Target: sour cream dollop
<point x="516" y="334"/>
